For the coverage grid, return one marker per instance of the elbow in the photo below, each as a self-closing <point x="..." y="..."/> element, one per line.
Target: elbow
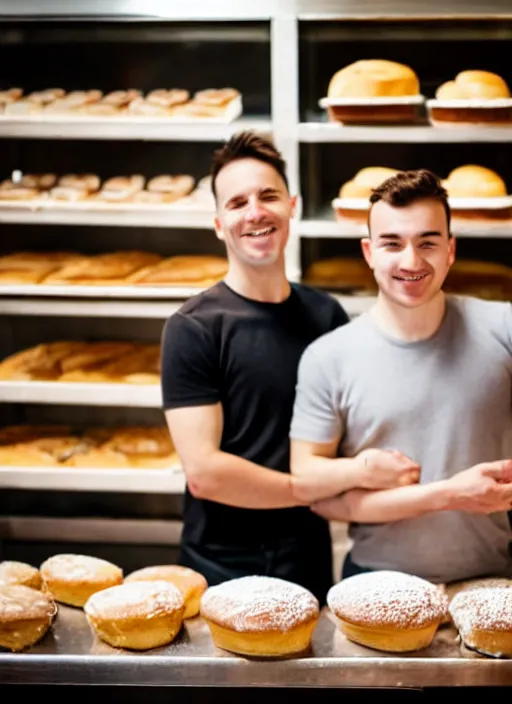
<point x="201" y="484"/>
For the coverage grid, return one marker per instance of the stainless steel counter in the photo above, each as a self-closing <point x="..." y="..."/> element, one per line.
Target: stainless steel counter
<point x="71" y="654"/>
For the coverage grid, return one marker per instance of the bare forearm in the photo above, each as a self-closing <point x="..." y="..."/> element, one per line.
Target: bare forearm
<point x="235" y="481"/>
<point x="388" y="506"/>
<point x="320" y="478"/>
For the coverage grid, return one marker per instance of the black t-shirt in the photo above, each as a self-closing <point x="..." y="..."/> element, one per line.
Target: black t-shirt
<point x="223" y="347"/>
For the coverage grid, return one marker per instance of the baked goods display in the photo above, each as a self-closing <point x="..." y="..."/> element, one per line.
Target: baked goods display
<point x="191" y="584"/>
<point x="13" y="572"/>
<point x="341" y="273"/>
<point x="262" y="616"/>
<point x="87" y="192"/>
<point x="352" y="201"/>
<point x="71" y="579"/>
<point x="472" y="97"/>
<point x="373" y="91"/>
<point x="136" y="616"/>
<point x="121" y="268"/>
<point x="224" y="104"/>
<point x="104" y="362"/>
<point x="128" y="447"/>
<point x="483" y="617"/>
<point x="477" y="192"/>
<point x="387" y="610"/>
<point x="26" y="615"/>
<point x="482" y="279"/>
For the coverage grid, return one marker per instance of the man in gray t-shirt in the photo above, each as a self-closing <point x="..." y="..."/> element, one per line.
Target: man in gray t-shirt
<point x="424" y="374"/>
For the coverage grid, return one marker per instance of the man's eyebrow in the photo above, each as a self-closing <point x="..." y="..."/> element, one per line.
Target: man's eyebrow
<point x="393" y="236"/>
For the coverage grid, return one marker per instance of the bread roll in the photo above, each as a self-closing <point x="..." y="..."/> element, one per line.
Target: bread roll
<point x="363" y="183"/>
<point x="137" y="616"/>
<point x="341" y="273"/>
<point x="487" y="280"/>
<point x="72" y="579"/>
<point x="387" y="610"/>
<point x="483" y="618"/>
<point x="25" y="616"/>
<point x="374" y="78"/>
<point x="262" y="616"/>
<point x="191" y="270"/>
<point x="472" y="181"/>
<point x="468" y="85"/>
<point x="191" y="584"/>
<point x="12" y="572"/>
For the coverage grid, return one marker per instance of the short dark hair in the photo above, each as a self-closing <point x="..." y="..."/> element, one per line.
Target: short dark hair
<point x="247" y="145"/>
<point x="407" y="187"/>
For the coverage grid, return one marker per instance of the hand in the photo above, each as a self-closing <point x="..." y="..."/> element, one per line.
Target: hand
<point x="484" y="488"/>
<point x="386" y="469"/>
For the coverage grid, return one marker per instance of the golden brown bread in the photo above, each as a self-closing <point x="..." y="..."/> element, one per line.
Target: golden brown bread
<point x="26" y="615"/>
<point x="373" y="78"/>
<point x="340" y="273"/>
<point x="120" y="189"/>
<point x="191" y="584"/>
<point x="183" y="270"/>
<point x="362" y="184"/>
<point x="41" y="362"/>
<point x="481" y="85"/>
<point x="472" y="181"/>
<point x="32" y="267"/>
<point x="103" y="269"/>
<point x="72" y="579"/>
<point x="13" y="572"/>
<point x="479" y="278"/>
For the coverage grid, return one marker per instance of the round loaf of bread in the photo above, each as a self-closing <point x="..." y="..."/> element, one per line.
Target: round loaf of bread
<point x="483" y="618"/>
<point x="72" y="579"/>
<point x="363" y="183"/>
<point x="471" y="85"/>
<point x="191" y="584"/>
<point x="472" y="181"/>
<point x="137" y="616"/>
<point x="25" y="616"/>
<point x="387" y="610"/>
<point x="12" y="572"/>
<point x="373" y="78"/>
<point x="260" y="616"/>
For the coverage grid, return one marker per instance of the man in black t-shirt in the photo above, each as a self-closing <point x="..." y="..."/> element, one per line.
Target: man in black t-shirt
<point x="229" y="367"/>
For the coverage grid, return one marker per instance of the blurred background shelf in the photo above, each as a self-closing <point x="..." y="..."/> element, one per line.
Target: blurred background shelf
<point x="49" y="392"/>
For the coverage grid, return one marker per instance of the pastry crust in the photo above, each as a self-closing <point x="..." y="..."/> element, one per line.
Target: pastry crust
<point x="20" y="573"/>
<point x="72" y="579"/>
<point x="112" y="268"/>
<point x="483" y="617"/>
<point x="137" y="616"/>
<point x="262" y="616"/>
<point x="183" y="271"/>
<point x="191" y="584"/>
<point x="26" y="615"/>
<point x="373" y="78"/>
<point x="389" y="611"/>
<point x="341" y="273"/>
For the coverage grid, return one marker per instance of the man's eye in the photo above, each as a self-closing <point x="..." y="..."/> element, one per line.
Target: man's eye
<point x="428" y="245"/>
<point x="237" y="204"/>
<point x="391" y="245"/>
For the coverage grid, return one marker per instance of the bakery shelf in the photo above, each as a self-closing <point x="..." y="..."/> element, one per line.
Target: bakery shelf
<point x="328" y="227"/>
<point x="77" y="214"/>
<point x="155" y="481"/>
<point x="71" y="393"/>
<point x="87" y="308"/>
<point x="354" y="305"/>
<point x="71" y="654"/>
<point x="317" y="132"/>
<point x="130" y="129"/>
<point x="167" y="293"/>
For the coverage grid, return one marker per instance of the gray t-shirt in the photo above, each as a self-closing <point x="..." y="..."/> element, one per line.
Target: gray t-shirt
<point x="445" y="402"/>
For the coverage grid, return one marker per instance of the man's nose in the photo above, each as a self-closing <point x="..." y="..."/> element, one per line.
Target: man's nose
<point x="410" y="259"/>
<point x="255" y="209"/>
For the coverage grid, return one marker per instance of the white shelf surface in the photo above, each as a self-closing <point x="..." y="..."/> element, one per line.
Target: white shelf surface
<point x="317" y="132"/>
<point x="154" y="481"/>
<point x="167" y="293"/>
<point x="71" y="393"/>
<point x="89" y="309"/>
<point x="150" y="129"/>
<point x="354" y="305"/>
<point x="328" y="227"/>
<point x="109" y="215"/>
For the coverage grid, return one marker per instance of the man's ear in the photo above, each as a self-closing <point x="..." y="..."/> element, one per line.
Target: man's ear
<point x="293" y="206"/>
<point x="366" y="247"/>
<point x="218" y="229"/>
<point x="452" y="248"/>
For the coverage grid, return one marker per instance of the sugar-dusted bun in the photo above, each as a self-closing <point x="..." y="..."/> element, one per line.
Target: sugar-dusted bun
<point x="25" y="616"/>
<point x="363" y="183"/>
<point x="137" y="616"/>
<point x="480" y="85"/>
<point x="483" y="618"/>
<point x="72" y="579"/>
<point x="374" y="78"/>
<point x="12" y="572"/>
<point x="262" y="616"/>
<point x="472" y="181"/>
<point x="191" y="584"/>
<point x="387" y="610"/>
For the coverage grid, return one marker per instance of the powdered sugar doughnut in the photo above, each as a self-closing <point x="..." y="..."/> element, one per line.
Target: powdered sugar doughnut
<point x="26" y="614"/>
<point x="12" y="572"/>
<point x="388" y="610"/>
<point x="191" y="584"/>
<point x="483" y="618"/>
<point x="138" y="616"/>
<point x="262" y="616"/>
<point x="73" y="578"/>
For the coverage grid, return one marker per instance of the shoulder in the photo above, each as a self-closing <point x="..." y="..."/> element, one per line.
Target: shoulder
<point x="482" y="313"/>
<point x="335" y="344"/>
<point x="320" y="302"/>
